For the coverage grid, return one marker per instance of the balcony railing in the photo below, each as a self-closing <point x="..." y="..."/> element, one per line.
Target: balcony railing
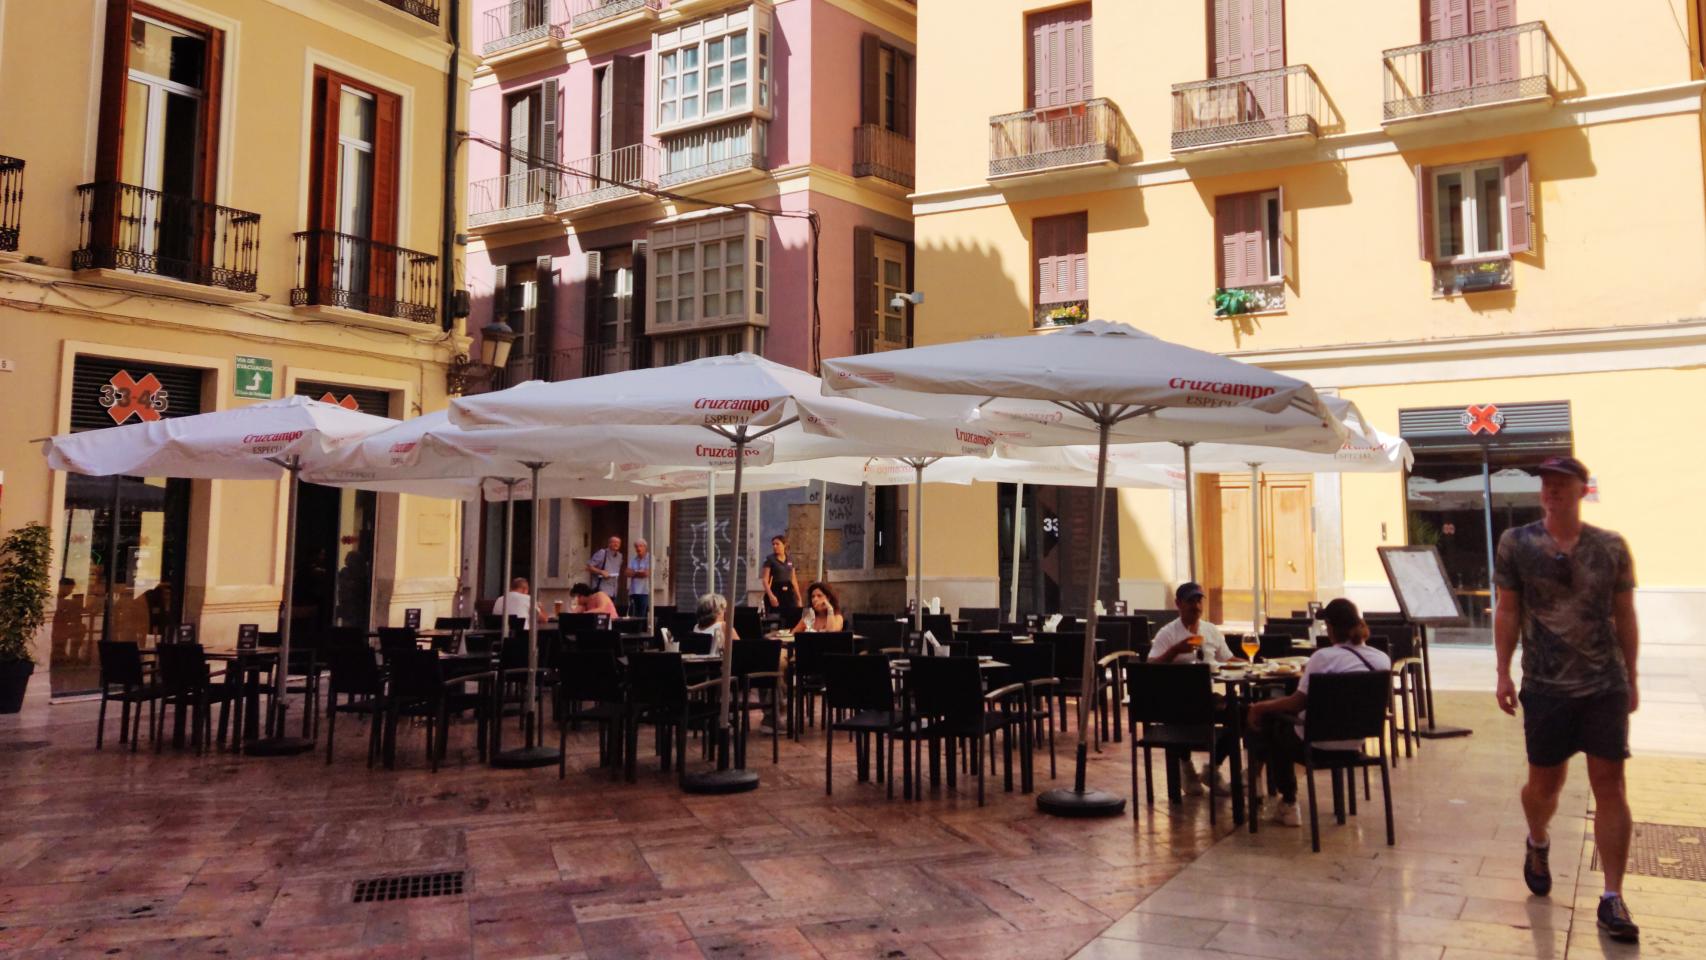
<point x="880" y="152"/>
<point x="126" y="227"/>
<point x="354" y="273"/>
<point x="610" y="175"/>
<point x="1031" y="141"/>
<point x="530" y="193"/>
<point x="571" y="363"/>
<point x="586" y="13"/>
<point x="1265" y="105"/>
<point x="1495" y="66"/>
<point x="520" y="21"/>
<point x="714" y="151"/>
<point x="425" y="9"/>
<point x="11" y="201"/>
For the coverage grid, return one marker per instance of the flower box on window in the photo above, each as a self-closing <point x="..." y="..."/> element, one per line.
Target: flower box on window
<point x="1250" y="299"/>
<point x="1473" y="276"/>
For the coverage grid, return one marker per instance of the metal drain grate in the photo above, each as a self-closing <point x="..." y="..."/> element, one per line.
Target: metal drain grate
<point x="412" y="887"/>
<point x="1663" y="850"/>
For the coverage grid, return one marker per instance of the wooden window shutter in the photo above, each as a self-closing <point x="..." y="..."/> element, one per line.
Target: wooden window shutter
<point x="870" y="79"/>
<point x="1283" y="268"/>
<point x="903" y="94"/>
<point x="1086" y="57"/>
<point x="1252" y="238"/>
<point x="1520" y="202"/>
<point x="640" y="356"/>
<point x="1226" y="237"/>
<point x="1505" y="56"/>
<point x="549" y="124"/>
<point x="1043" y="252"/>
<point x="387" y="147"/>
<point x="1040" y="50"/>
<point x="1076" y="253"/>
<point x="500" y="293"/>
<point x="544" y="314"/>
<point x="865" y="304"/>
<point x="594" y="287"/>
<point x="1424" y="212"/>
<point x="1224" y="53"/>
<point x="629" y="127"/>
<point x="1267" y="34"/>
<point x="213" y="85"/>
<point x="323" y="183"/>
<point x="115" y="72"/>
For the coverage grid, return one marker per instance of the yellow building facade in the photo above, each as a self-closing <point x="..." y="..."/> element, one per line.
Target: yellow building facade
<point x="1427" y="207"/>
<point x="203" y="205"/>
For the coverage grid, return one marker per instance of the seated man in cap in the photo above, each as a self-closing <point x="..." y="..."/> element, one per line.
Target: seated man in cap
<point x="1279" y="741"/>
<point x="1174" y="642"/>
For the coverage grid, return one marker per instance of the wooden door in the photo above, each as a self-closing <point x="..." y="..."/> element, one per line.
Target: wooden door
<point x="1288" y="542"/>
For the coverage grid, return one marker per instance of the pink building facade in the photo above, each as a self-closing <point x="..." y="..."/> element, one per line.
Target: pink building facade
<point x="654" y="181"/>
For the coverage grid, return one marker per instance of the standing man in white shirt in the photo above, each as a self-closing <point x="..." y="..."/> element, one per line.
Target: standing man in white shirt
<point x="606" y="567"/>
<point x="517" y="603"/>
<point x="1172" y="643"/>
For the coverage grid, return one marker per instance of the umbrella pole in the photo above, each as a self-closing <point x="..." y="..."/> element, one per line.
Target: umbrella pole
<point x="1256" y="548"/>
<point x="1190" y="515"/>
<point x="1487" y="518"/>
<point x="509" y="535"/>
<point x="723" y="779"/>
<point x="1013" y="579"/>
<point x="918" y="548"/>
<point x="1080" y="801"/>
<point x="822" y="514"/>
<point x="651" y="560"/>
<point x="711" y="532"/>
<point x="112" y="559"/>
<point x="533" y="752"/>
<point x="279" y="745"/>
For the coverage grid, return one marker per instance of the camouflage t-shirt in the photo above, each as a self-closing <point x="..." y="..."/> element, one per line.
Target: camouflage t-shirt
<point x="1569" y="637"/>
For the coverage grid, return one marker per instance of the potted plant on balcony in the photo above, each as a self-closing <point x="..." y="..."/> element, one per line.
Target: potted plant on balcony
<point x="24" y="558"/>
<point x="1066" y="316"/>
<point x="1237" y="301"/>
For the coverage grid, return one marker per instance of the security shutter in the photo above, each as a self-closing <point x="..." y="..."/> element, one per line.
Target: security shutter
<point x="181" y="386"/>
<point x="375" y="402"/>
<point x="688" y="554"/>
<point x="1536" y="426"/>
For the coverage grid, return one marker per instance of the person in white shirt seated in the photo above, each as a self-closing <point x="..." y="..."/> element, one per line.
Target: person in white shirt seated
<point x="517" y="602"/>
<point x="1277" y="725"/>
<point x="714" y="620"/>
<point x="1172" y="644"/>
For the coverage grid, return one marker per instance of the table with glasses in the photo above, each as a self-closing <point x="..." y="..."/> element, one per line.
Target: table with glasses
<point x="1240" y="681"/>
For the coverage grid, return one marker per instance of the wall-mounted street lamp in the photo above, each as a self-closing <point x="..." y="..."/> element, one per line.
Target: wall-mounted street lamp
<point x="496" y="338"/>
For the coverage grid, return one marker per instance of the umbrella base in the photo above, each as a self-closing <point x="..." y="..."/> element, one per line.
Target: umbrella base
<point x="1443" y="732"/>
<point x="278" y="747"/>
<point x="1080" y="803"/>
<point x="720" y="781"/>
<point x="523" y="758"/>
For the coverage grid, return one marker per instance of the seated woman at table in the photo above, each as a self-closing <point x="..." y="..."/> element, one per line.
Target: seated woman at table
<point x="823" y="611"/>
<point x="714" y="620"/>
<point x="1276" y="726"/>
<point x="588" y="600"/>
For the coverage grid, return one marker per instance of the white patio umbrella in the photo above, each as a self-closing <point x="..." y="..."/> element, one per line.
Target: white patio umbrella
<point x="740" y="399"/>
<point x="253" y="442"/>
<point x="1107" y="378"/>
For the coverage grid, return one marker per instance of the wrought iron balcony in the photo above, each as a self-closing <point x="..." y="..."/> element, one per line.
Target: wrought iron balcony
<point x="589" y="13"/>
<point x="880" y="152"/>
<point x="611" y="175"/>
<point x="425" y="9"/>
<point x="713" y="151"/>
<point x="355" y="273"/>
<point x="570" y="363"/>
<point x="1033" y="141"/>
<point x="517" y="196"/>
<point x="1249" y="108"/>
<point x="125" y="227"/>
<point x="517" y="22"/>
<point x="11" y="201"/>
<point x="1504" y="66"/>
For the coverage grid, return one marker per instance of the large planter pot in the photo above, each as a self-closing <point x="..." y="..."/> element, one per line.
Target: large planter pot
<point x="14" y="678"/>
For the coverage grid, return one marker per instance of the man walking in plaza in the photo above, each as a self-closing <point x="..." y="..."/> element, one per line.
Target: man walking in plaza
<point x="1568" y="591"/>
<point x="606" y="566"/>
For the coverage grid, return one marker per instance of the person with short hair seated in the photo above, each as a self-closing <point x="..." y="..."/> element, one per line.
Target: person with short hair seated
<point x="713" y="621"/>
<point x="1276" y="725"/>
<point x="588" y="600"/>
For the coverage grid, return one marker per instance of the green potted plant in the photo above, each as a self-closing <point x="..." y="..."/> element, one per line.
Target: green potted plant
<point x="1237" y="301"/>
<point x="1067" y="316"/>
<point x="25" y="555"/>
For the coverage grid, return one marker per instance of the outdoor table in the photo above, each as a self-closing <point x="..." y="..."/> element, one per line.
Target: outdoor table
<point x="246" y="669"/>
<point x="1239" y="686"/>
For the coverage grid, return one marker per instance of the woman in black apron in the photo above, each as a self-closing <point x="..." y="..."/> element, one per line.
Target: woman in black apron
<point x="781" y="586"/>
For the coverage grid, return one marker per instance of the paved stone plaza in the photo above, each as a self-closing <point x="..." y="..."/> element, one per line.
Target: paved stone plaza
<point x="149" y="855"/>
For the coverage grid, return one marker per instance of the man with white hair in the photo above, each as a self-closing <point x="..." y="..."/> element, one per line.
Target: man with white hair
<point x="640" y="579"/>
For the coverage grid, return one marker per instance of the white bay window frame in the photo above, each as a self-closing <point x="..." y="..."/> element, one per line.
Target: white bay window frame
<point x="706" y="271"/>
<point x="713" y="69"/>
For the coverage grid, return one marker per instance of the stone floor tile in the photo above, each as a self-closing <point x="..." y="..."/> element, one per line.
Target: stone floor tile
<point x="1160" y="929"/>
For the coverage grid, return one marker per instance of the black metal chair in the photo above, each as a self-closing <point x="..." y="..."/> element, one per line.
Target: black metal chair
<point x="947" y="695"/>
<point x="1171" y="707"/>
<point x="806" y="676"/>
<point x="121" y="667"/>
<point x="695" y="644"/>
<point x="658" y="693"/>
<point x="419" y="688"/>
<point x="1346" y="707"/>
<point x="1032" y="664"/>
<point x="883" y="633"/>
<point x="355" y="676"/>
<point x="756" y="668"/>
<point x="452" y="623"/>
<point x="748" y="623"/>
<point x="186" y="682"/>
<point x="575" y="624"/>
<point x="590" y="687"/>
<point x="397" y="638"/>
<point x="859" y="699"/>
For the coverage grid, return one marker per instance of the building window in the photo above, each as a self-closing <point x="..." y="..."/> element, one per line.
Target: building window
<point x="886" y="97"/>
<point x="1061" y="63"/>
<point x="1473" y="218"/>
<point x="1469" y="212"/>
<point x="1060" y="249"/>
<point x="1249" y="238"/>
<point x="685" y="347"/>
<point x="713" y="68"/>
<point x="708" y="272"/>
<point x="880" y="275"/>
